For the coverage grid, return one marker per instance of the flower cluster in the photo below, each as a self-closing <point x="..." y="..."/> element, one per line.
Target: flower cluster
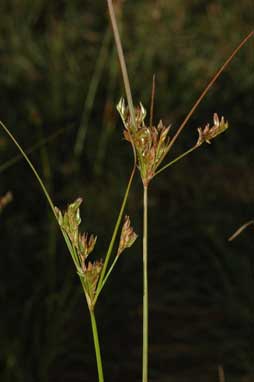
<point x="82" y="245"/>
<point x="128" y="236"/>
<point x="208" y="133"/>
<point x="150" y="142"/>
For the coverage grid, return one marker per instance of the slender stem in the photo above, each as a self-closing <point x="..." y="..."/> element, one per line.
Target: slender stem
<point x="5" y="166"/>
<point x="177" y="159"/>
<point x="120" y="53"/>
<point x="44" y="189"/>
<point x="237" y="232"/>
<point x="116" y="228"/>
<point x="96" y="346"/>
<point x="31" y="166"/>
<point x="205" y="91"/>
<point x="145" y="288"/>
<point x="132" y="114"/>
<point x="106" y="277"/>
<point x="152" y="102"/>
<point x="124" y="71"/>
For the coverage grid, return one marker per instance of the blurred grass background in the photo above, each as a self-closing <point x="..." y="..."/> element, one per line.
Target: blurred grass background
<point x="59" y="74"/>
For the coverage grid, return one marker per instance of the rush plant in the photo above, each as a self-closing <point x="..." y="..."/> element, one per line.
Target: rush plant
<point x="92" y="274"/>
<point x="151" y="144"/>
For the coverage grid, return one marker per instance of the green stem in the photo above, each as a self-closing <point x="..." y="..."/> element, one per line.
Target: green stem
<point x="113" y="238"/>
<point x="96" y="346"/>
<point x="120" y="53"/>
<point x="145" y="288"/>
<point x="177" y="159"/>
<point x="5" y="166"/>
<point x="106" y="277"/>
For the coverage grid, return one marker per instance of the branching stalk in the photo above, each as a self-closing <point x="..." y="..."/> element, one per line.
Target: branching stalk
<point x="107" y="276"/>
<point x="131" y="108"/>
<point x="177" y="159"/>
<point x="205" y="91"/>
<point x="116" y="228"/>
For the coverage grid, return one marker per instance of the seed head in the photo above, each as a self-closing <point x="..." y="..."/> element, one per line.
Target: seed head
<point x="90" y="274"/>
<point x="208" y="133"/>
<point x="82" y="245"/>
<point x="150" y="143"/>
<point x="70" y="220"/>
<point x="128" y="236"/>
<point x="86" y="244"/>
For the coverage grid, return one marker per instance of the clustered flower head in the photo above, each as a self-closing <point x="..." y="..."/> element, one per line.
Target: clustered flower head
<point x="82" y="246"/>
<point x="151" y="143"/>
<point x="128" y="236"/>
<point x="70" y="220"/>
<point x="208" y="133"/>
<point x="86" y="244"/>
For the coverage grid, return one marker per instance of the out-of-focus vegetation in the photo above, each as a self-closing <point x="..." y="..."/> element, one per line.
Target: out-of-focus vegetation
<point x="59" y="71"/>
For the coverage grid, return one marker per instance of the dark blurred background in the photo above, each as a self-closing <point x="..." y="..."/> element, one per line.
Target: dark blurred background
<point x="60" y="79"/>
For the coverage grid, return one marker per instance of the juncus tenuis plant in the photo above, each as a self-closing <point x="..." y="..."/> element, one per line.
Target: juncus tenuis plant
<point x="92" y="274"/>
<point x="151" y="143"/>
